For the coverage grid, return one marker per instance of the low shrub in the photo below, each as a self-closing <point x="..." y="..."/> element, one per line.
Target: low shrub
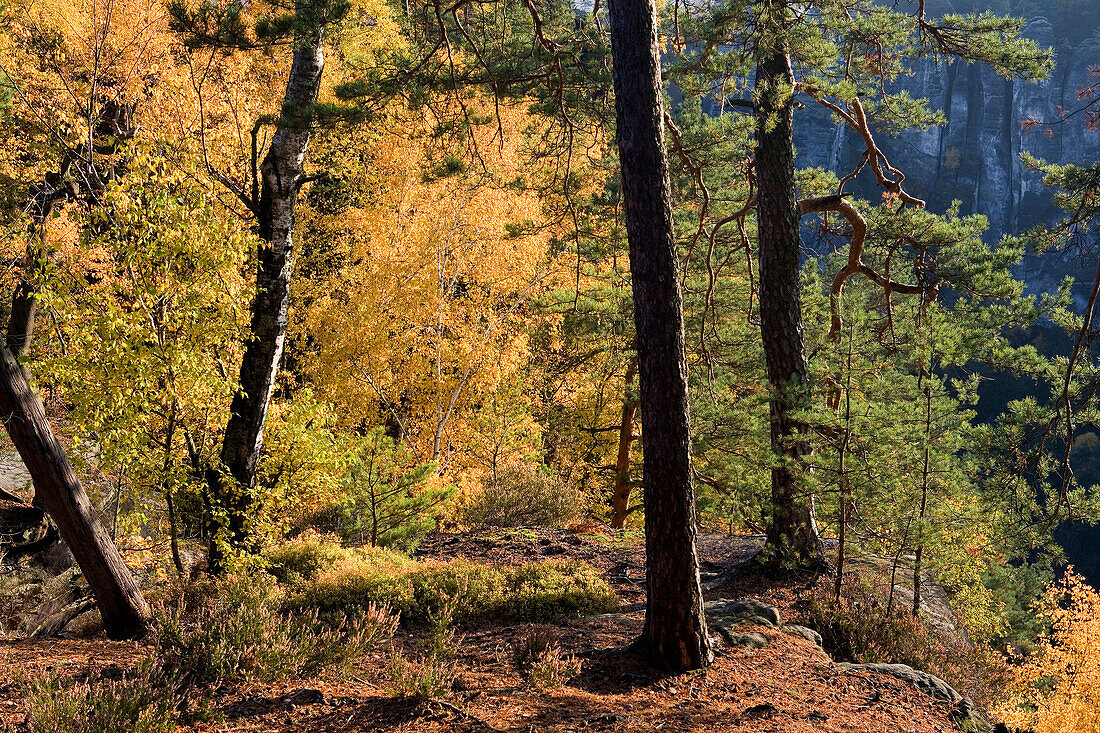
<point x="433" y="674"/>
<point x="305" y="556"/>
<point x="522" y="496"/>
<point x="143" y="702"/>
<point x="538" y="656"/>
<point x="553" y="669"/>
<point x="536" y="592"/>
<point x="308" y="555"/>
<point x="857" y="628"/>
<point x="235" y="629"/>
<point x="532" y="644"/>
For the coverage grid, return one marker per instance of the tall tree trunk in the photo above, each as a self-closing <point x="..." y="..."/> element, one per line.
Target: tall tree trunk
<point x="620" y="497"/>
<point x="125" y="613"/>
<point x="281" y="176"/>
<point x="792" y="539"/>
<point x="675" y="632"/>
<point x="926" y="474"/>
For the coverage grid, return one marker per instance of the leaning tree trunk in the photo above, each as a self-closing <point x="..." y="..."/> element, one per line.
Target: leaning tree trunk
<point x="56" y="486"/>
<point x="675" y="632"/>
<point x="231" y="484"/>
<point x="792" y="539"/>
<point x="125" y="614"/>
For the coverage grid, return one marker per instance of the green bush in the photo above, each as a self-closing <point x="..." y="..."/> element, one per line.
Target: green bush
<point x="308" y="555"/>
<point x="143" y="702"/>
<point x="521" y="496"/>
<point x="235" y="629"/>
<point x="305" y="556"/>
<point x="536" y="592"/>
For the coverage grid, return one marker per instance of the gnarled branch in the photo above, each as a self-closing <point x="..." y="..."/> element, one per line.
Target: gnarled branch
<point x="855" y="262"/>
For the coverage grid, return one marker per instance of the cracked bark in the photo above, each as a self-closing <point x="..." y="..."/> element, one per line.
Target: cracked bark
<point x="675" y="632"/>
<point x="792" y="538"/>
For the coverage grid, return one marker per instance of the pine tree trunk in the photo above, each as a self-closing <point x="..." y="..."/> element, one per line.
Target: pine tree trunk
<point x="125" y="614"/>
<point x="792" y="537"/>
<point x="232" y="484"/>
<point x="675" y="632"/>
<point x="620" y="497"/>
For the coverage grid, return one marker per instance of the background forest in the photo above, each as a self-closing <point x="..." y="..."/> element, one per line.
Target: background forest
<point x="300" y="286"/>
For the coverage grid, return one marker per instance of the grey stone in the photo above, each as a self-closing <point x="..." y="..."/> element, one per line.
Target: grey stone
<point x="929" y="684"/>
<point x="743" y="641"/>
<point x="304" y="697"/>
<point x="806" y="633"/>
<point x="726" y="612"/>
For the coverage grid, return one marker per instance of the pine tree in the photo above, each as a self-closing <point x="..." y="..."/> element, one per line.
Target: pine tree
<point x="675" y="632"/>
<point x="845" y="59"/>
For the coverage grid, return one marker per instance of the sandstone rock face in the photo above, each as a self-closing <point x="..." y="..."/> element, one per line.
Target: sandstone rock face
<point x="975" y="157"/>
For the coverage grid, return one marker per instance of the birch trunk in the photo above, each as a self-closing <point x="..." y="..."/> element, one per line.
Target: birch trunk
<point x="281" y="175"/>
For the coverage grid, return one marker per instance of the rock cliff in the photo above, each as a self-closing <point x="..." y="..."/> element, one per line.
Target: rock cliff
<point x="975" y="157"/>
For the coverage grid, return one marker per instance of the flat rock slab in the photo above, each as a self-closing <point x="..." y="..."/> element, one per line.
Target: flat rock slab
<point x="929" y="684"/>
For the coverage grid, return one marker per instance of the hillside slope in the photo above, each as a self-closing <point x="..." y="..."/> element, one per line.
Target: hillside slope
<point x="767" y="677"/>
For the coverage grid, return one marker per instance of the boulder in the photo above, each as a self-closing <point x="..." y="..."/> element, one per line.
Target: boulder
<point x="725" y="612"/>
<point x="805" y="632"/>
<point x="929" y="684"/>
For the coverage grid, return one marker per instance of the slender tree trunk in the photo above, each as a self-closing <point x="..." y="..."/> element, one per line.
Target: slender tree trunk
<point x="620" y="498"/>
<point x="281" y="176"/>
<point x="845" y="482"/>
<point x="675" y="632"/>
<point x="925" y="478"/>
<point x="792" y="539"/>
<point x="125" y="614"/>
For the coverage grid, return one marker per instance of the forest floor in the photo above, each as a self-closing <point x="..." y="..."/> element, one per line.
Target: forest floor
<point x="788" y="685"/>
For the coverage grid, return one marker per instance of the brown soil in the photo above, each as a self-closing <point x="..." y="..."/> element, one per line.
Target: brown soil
<point x="790" y="685"/>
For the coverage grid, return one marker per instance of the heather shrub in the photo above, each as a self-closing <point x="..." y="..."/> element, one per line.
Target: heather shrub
<point x="858" y="628"/>
<point x="532" y="644"/>
<point x="538" y="656"/>
<point x="308" y="555"/>
<point x="536" y="592"/>
<point x="305" y="556"/>
<point x="236" y="629"/>
<point x="522" y="496"/>
<point x="553" y="668"/>
<point x="433" y="673"/>
<point x="143" y="702"/>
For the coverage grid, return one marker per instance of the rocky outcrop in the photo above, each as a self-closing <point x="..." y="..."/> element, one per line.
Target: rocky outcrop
<point x="975" y="157"/>
<point x="725" y="617"/>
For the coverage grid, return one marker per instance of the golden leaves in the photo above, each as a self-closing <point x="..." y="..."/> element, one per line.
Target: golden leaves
<point x="433" y="318"/>
<point x="1058" y="689"/>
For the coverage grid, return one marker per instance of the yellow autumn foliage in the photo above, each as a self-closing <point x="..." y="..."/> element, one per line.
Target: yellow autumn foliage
<point x="1057" y="690"/>
<point x="429" y="322"/>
